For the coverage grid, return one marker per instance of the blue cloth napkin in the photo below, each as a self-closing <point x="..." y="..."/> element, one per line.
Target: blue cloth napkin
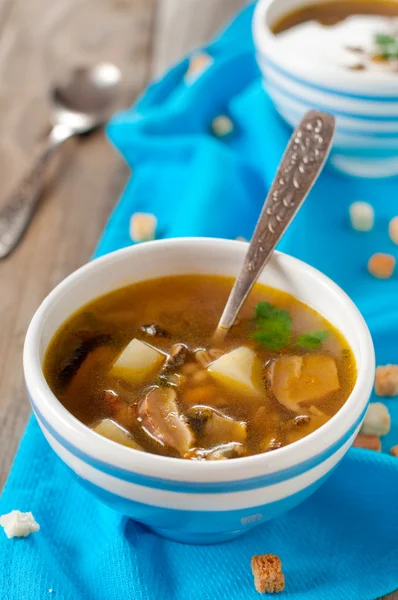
<point x="341" y="544"/>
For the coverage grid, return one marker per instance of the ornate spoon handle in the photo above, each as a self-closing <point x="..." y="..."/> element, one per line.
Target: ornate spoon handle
<point x="301" y="164"/>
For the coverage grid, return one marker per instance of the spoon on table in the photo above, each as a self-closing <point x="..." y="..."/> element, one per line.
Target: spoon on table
<point x="85" y="102"/>
<point x="301" y="164"/>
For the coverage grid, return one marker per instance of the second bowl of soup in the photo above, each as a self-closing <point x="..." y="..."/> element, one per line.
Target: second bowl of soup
<point x="199" y="442"/>
<point x="339" y="56"/>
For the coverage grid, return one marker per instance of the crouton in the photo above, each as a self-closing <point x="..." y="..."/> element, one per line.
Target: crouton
<point x="142" y="227"/>
<point x="386" y="382"/>
<point x="19" y="524"/>
<point x="381" y="265"/>
<point x="393" y="230"/>
<point x="377" y="420"/>
<point x="368" y="442"/>
<point x="394" y="451"/>
<point x="267" y="571"/>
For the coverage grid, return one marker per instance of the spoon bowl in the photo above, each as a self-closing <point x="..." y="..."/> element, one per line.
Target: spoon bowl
<point x="87" y="98"/>
<point x="79" y="105"/>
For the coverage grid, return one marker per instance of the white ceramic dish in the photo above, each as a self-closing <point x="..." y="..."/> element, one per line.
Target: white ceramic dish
<point x="365" y="103"/>
<point x="198" y="502"/>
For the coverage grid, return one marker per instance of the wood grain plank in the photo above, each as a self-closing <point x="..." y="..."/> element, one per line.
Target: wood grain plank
<point x="183" y="26"/>
<point x="71" y="216"/>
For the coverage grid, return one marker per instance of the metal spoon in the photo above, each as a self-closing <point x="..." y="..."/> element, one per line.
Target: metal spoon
<point x="301" y="164"/>
<point x="82" y="104"/>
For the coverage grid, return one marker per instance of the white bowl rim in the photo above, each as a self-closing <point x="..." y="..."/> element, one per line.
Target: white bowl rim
<point x="176" y="469"/>
<point x="333" y="79"/>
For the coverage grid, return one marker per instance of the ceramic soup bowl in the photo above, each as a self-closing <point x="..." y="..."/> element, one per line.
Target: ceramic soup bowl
<point x="195" y="501"/>
<point x="365" y="103"/>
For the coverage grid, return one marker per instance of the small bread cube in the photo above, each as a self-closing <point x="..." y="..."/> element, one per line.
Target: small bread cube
<point x="393" y="230"/>
<point x="19" y="524"/>
<point x="198" y="64"/>
<point x="394" y="451"/>
<point x="368" y="442"/>
<point x="361" y="216"/>
<point x="267" y="571"/>
<point x="222" y="126"/>
<point x="377" y="420"/>
<point x="386" y="382"/>
<point x="142" y="227"/>
<point x="381" y="265"/>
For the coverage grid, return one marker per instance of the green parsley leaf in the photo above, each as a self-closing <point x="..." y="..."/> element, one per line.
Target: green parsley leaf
<point x="387" y="45"/>
<point x="273" y="326"/>
<point x="384" y="39"/>
<point x="311" y="341"/>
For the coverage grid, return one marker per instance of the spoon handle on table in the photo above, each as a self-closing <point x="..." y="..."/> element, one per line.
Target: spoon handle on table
<point x="301" y="164"/>
<point x="16" y="214"/>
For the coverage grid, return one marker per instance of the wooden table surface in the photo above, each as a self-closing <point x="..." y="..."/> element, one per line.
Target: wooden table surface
<point x="41" y="40"/>
<point x="143" y="37"/>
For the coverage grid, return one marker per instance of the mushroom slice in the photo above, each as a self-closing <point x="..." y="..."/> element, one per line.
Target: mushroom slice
<point x="115" y="432"/>
<point x="238" y="370"/>
<point x="177" y="357"/>
<point x="137" y="361"/>
<point x="215" y="427"/>
<point x="220" y="429"/>
<point x="162" y="420"/>
<point x="154" y="330"/>
<point x="225" y="451"/>
<point x="303" y="379"/>
<point x="221" y="452"/>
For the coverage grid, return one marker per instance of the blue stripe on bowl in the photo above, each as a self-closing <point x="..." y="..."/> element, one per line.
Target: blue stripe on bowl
<point x="198" y="487"/>
<point x="357" y="133"/>
<point x="320" y="88"/>
<point x="212" y="521"/>
<point x="339" y="113"/>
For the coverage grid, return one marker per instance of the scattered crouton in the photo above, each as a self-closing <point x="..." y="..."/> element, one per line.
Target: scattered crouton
<point x="361" y="216"/>
<point x="377" y="420"/>
<point x="394" y="451"/>
<point x="393" y="230"/>
<point x="198" y="64"/>
<point x="381" y="265"/>
<point x="386" y="382"/>
<point x="368" y="442"/>
<point x="222" y="126"/>
<point x="267" y="571"/>
<point x="19" y="524"/>
<point x="142" y="227"/>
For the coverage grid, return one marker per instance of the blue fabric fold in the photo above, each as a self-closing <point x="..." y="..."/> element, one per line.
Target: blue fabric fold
<point x="339" y="544"/>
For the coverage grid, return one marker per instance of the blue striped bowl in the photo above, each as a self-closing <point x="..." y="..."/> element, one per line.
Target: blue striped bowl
<point x="365" y="103"/>
<point x="190" y="501"/>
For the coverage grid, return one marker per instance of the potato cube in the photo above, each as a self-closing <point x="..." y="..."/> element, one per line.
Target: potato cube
<point x="115" y="432"/>
<point x="238" y="370"/>
<point x="138" y="361"/>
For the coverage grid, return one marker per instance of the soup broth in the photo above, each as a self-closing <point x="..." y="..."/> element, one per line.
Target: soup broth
<point x="331" y="13"/>
<point x="138" y="365"/>
<point x="360" y="35"/>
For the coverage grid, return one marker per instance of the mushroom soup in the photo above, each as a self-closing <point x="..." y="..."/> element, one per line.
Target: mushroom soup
<point x="357" y="35"/>
<point x="138" y="366"/>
